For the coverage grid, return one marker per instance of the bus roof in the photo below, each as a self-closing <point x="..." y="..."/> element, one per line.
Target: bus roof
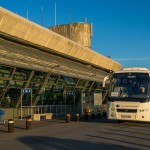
<point x="134" y="69"/>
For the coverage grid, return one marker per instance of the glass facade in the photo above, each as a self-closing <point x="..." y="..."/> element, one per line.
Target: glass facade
<point x="47" y="89"/>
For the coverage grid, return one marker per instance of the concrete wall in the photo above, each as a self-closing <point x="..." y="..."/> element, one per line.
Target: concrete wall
<point x="78" y="32"/>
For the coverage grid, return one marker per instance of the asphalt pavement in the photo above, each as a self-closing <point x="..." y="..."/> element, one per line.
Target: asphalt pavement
<point x="93" y="134"/>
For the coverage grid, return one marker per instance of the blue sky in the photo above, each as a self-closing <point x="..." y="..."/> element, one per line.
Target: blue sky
<point x="121" y="28"/>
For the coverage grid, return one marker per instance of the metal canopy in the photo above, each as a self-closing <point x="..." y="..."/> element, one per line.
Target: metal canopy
<point x="22" y="56"/>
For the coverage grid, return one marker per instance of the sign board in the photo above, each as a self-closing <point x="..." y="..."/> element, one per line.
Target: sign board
<point x="97" y="99"/>
<point x="27" y="91"/>
<point x="70" y="93"/>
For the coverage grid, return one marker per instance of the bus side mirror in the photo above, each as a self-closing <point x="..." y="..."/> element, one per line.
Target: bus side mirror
<point x="104" y="81"/>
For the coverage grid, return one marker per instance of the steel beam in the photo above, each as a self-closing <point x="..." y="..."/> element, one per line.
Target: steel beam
<point x="25" y="86"/>
<point x="8" y="83"/>
<point x="39" y="92"/>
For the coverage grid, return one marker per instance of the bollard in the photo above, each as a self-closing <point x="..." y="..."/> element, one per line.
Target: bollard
<point x="77" y="117"/>
<point x="98" y="115"/>
<point x="93" y="115"/>
<point x="28" y="124"/>
<point x="10" y="126"/>
<point x="68" y="118"/>
<point x="104" y="114"/>
<point x="86" y="116"/>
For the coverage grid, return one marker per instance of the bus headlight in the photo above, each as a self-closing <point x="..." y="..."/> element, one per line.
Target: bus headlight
<point x="112" y="109"/>
<point x="143" y="110"/>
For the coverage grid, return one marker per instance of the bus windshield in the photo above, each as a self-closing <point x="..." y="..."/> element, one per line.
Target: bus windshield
<point x="129" y="85"/>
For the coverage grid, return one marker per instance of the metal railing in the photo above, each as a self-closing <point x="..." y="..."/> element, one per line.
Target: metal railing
<point x="56" y="110"/>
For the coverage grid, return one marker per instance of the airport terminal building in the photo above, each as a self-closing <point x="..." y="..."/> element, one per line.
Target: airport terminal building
<point x="50" y="68"/>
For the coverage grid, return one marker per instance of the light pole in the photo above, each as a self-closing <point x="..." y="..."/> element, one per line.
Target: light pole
<point x="21" y="106"/>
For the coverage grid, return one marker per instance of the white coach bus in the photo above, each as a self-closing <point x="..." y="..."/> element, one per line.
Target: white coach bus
<point x="129" y="95"/>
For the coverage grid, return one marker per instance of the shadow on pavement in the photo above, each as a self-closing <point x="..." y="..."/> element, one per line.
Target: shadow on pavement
<point x="50" y="143"/>
<point x="3" y="130"/>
